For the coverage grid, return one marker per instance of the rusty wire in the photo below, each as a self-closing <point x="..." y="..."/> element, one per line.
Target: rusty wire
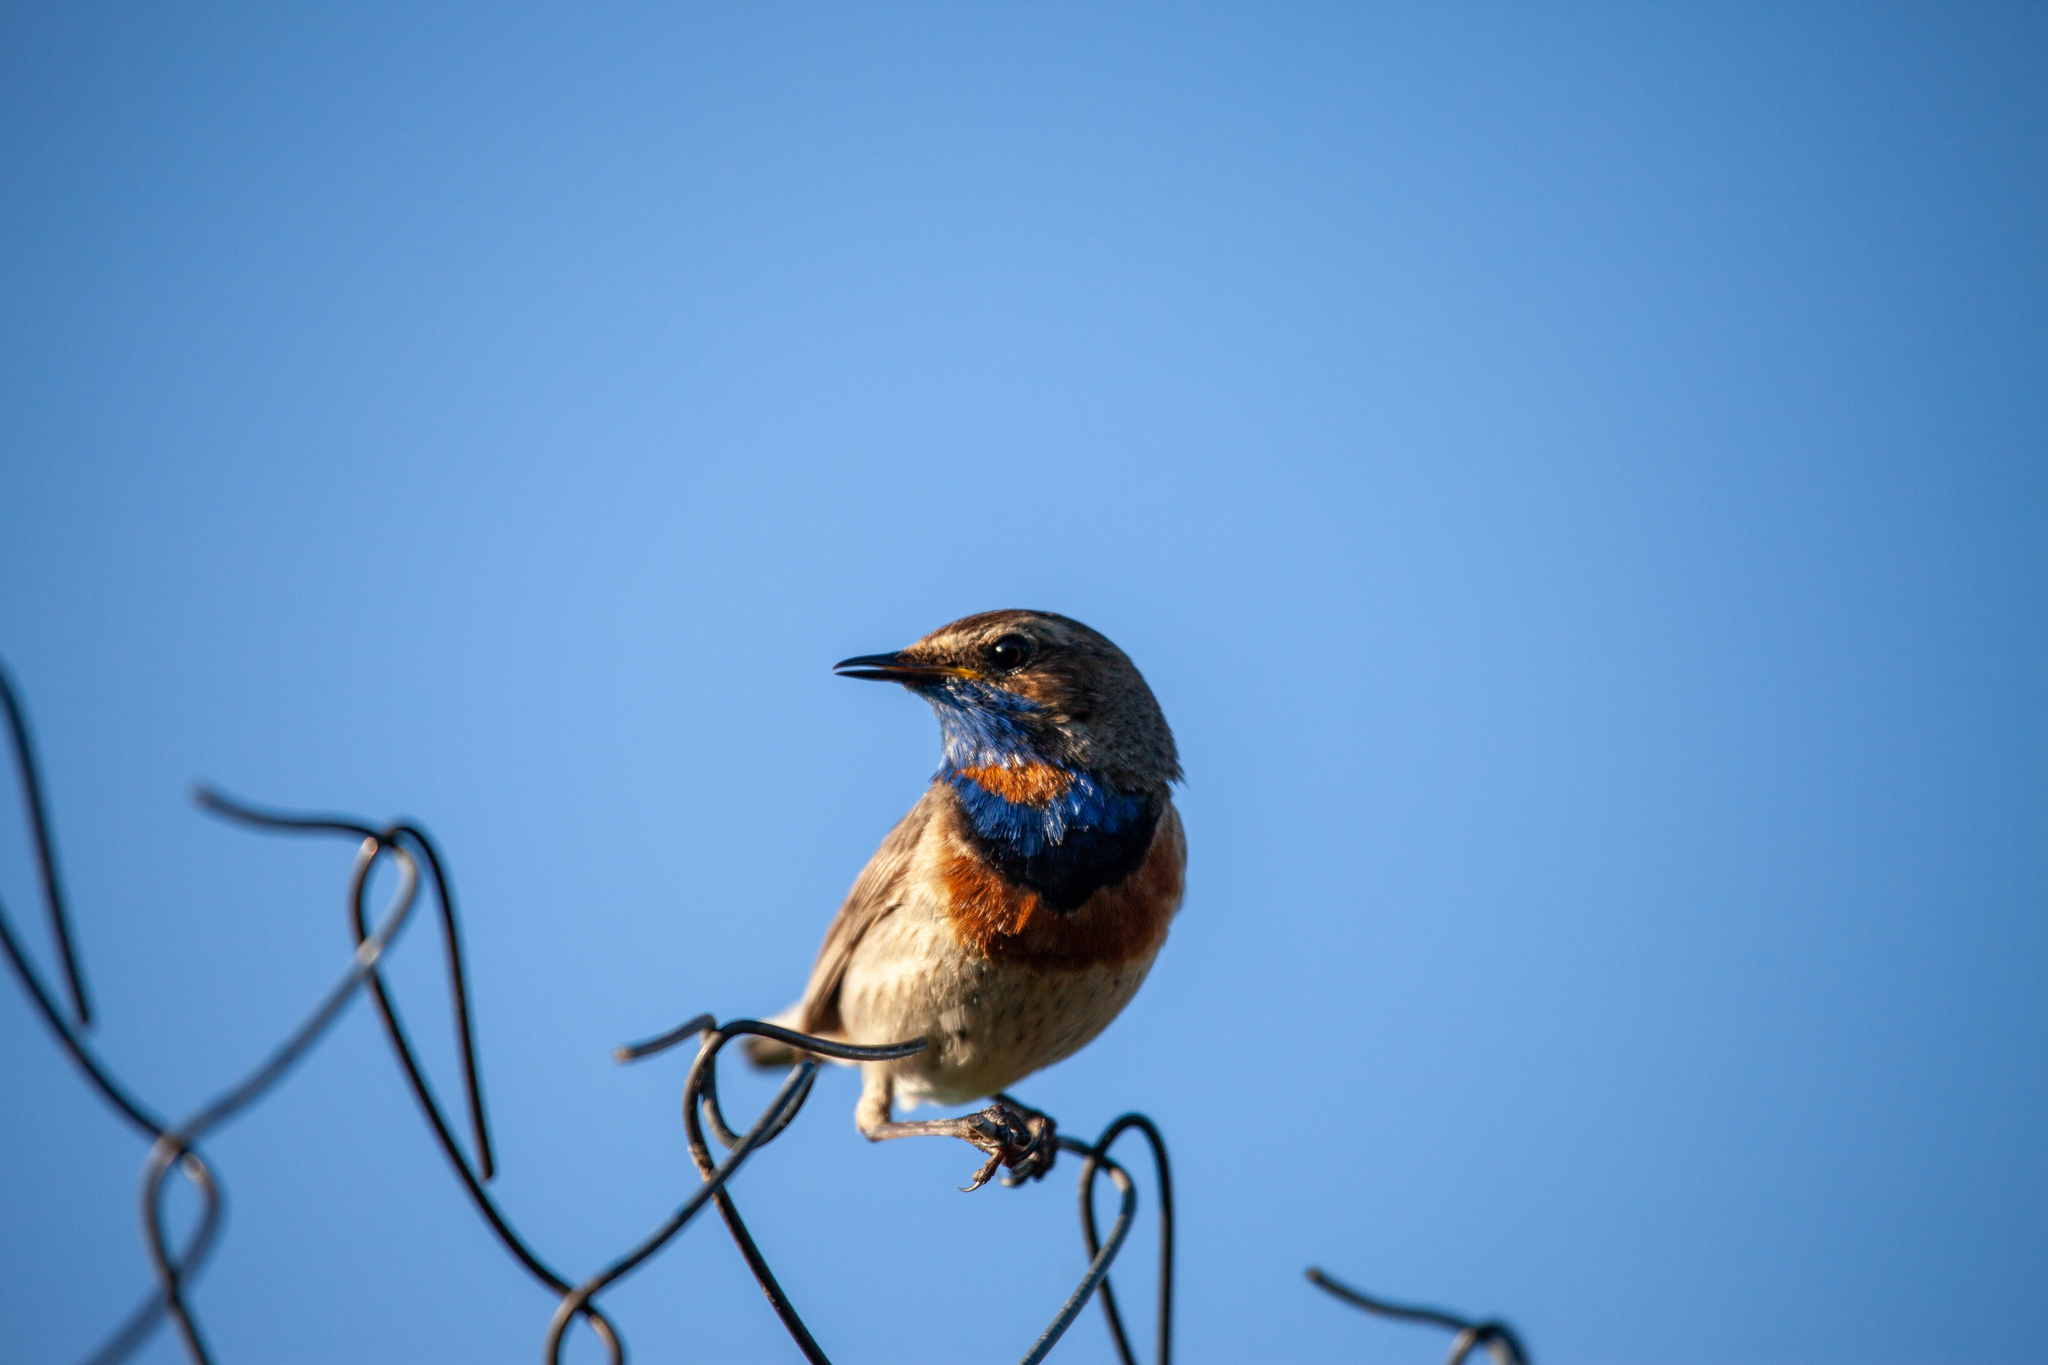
<point x="174" y="1145"/>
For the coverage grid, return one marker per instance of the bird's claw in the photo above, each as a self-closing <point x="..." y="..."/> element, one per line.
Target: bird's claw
<point x="1021" y="1139"/>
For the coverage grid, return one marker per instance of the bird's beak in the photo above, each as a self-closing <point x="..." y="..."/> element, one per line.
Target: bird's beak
<point x="895" y="668"/>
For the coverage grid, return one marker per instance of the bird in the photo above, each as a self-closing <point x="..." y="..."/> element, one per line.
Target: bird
<point x="1010" y="916"/>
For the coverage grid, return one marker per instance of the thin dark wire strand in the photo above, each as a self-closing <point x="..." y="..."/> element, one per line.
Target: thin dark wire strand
<point x="174" y="1276"/>
<point x="778" y="1298"/>
<point x="823" y="1047"/>
<point x="216" y="802"/>
<point x="148" y="1315"/>
<point x="369" y="952"/>
<point x="30" y="774"/>
<point x="423" y="1091"/>
<point x="700" y="1095"/>
<point x="790" y="1098"/>
<point x="87" y="1061"/>
<point x="1499" y="1339"/>
<point x="458" y="993"/>
<point x="1098" y="1265"/>
<point x="1494" y="1337"/>
<point x="1117" y="1336"/>
<point x="662" y="1042"/>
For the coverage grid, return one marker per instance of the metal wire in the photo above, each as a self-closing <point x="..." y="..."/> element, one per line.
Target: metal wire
<point x="417" y="862"/>
<point x="46" y="856"/>
<point x="1496" y="1336"/>
<point x="1117" y="1129"/>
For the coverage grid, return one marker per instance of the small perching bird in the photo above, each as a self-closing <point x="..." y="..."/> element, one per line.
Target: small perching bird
<point x="1013" y="913"/>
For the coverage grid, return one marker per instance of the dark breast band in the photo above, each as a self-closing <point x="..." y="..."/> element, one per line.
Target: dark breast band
<point x="1066" y="874"/>
<point x="1003" y="918"/>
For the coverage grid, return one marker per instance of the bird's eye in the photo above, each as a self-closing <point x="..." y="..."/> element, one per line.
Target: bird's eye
<point x="1012" y="651"/>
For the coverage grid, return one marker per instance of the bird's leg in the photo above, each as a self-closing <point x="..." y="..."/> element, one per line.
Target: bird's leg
<point x="1013" y="1136"/>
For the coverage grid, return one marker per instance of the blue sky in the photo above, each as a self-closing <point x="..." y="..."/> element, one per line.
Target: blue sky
<point x="1574" y="478"/>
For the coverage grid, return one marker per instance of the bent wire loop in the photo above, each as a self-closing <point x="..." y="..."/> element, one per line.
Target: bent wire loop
<point x="416" y="861"/>
<point x="1496" y="1336"/>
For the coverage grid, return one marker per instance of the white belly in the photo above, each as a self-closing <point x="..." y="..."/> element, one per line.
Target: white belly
<point x="990" y="1023"/>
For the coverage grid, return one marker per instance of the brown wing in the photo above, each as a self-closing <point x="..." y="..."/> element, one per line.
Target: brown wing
<point x="878" y="890"/>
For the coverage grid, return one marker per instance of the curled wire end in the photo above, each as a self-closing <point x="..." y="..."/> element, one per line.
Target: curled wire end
<point x="216" y="802"/>
<point x="824" y="1047"/>
<point x="662" y="1042"/>
<point x="1496" y="1336"/>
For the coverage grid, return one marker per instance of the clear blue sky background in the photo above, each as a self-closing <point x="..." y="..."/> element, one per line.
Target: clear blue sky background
<point x="1574" y="477"/>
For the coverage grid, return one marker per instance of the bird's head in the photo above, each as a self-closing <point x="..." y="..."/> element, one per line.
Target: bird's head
<point x="1022" y="687"/>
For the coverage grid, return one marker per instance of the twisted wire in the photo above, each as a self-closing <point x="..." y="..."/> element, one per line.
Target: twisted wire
<point x="1496" y="1336"/>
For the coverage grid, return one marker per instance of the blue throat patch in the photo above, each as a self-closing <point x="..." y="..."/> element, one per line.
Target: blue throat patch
<point x="1031" y="830"/>
<point x="980" y="727"/>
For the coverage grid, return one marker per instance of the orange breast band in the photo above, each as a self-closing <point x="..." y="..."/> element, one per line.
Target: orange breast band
<point x="1024" y="784"/>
